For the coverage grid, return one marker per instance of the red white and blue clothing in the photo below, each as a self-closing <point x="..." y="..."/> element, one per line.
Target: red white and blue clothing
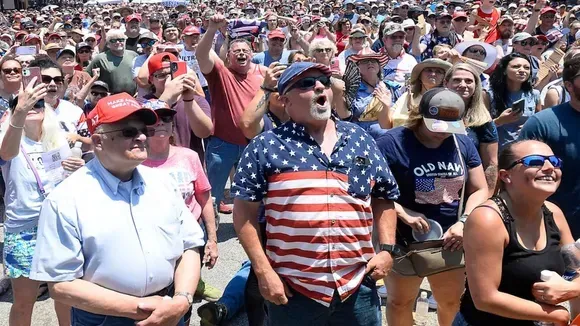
<point x="318" y="208"/>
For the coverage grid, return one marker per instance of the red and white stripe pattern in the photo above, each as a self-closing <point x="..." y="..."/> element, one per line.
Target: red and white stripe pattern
<point x="318" y="234"/>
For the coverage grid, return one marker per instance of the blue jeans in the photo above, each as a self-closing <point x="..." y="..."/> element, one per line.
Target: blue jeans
<point x="362" y="308"/>
<point x="459" y="320"/>
<point x="83" y="318"/>
<point x="220" y="157"/>
<point x="233" y="297"/>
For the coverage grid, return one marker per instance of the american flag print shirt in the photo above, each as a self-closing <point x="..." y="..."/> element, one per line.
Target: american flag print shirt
<point x="318" y="209"/>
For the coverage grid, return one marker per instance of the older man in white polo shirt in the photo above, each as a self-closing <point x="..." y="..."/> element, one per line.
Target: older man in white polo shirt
<point x="116" y="241"/>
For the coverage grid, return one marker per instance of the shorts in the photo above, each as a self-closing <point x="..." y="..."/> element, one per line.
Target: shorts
<point x="18" y="252"/>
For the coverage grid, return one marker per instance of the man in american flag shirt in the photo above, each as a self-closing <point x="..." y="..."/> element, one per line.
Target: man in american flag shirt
<point x="324" y="185"/>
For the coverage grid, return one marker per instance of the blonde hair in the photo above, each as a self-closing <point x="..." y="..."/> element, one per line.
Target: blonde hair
<point x="114" y="33"/>
<point x="415" y="118"/>
<point x="52" y="135"/>
<point x="440" y="47"/>
<point x="321" y="43"/>
<point x="476" y="114"/>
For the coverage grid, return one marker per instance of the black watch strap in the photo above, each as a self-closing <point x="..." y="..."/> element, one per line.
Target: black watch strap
<point x="393" y="249"/>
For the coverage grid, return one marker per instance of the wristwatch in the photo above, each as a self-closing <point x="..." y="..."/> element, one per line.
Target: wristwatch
<point x="187" y="295"/>
<point x="393" y="249"/>
<point x="463" y="218"/>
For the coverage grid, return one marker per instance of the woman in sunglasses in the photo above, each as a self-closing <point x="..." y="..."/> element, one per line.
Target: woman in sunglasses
<point x="186" y="169"/>
<point x="479" y="51"/>
<point x="28" y="132"/>
<point x="511" y="238"/>
<point x="512" y="99"/>
<point x="323" y="51"/>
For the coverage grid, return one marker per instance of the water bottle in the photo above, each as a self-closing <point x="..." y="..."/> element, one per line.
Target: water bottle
<point x="571" y="256"/>
<point x="546" y="276"/>
<point x="422" y="309"/>
<point x="76" y="151"/>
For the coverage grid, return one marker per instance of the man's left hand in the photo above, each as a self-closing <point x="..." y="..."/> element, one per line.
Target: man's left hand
<point x="165" y="312"/>
<point x="380" y="265"/>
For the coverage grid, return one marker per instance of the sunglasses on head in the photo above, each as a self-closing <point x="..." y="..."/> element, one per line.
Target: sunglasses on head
<point x="528" y="42"/>
<point x="132" y="132"/>
<point x="57" y="79"/>
<point x="8" y="71"/>
<point x="309" y="82"/>
<point x="537" y="161"/>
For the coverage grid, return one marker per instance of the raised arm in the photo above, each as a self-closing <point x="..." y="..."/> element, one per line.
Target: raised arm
<point x="203" y="53"/>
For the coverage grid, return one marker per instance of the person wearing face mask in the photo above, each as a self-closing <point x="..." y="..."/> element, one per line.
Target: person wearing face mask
<point x="426" y="75"/>
<point x="511" y="81"/>
<point x="400" y="64"/>
<point x="132" y="30"/>
<point x="441" y="35"/>
<point x="116" y="64"/>
<point x="231" y="89"/>
<point x="511" y="238"/>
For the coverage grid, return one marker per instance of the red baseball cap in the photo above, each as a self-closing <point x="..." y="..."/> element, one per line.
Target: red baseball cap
<point x="547" y="9"/>
<point x="191" y="30"/>
<point x="54" y="35"/>
<point x="277" y="33"/>
<point x="31" y="37"/>
<point x="458" y="14"/>
<point x="117" y="107"/>
<point x="133" y="16"/>
<point x="541" y="38"/>
<point x="159" y="61"/>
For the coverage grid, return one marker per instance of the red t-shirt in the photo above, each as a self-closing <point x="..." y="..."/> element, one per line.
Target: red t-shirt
<point x="230" y="94"/>
<point x="492" y="18"/>
<point x="341" y="41"/>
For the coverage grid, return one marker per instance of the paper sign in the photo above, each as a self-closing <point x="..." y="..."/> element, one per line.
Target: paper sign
<point x="53" y="159"/>
<point x="423" y="24"/>
<point x="553" y="60"/>
<point x="26" y="50"/>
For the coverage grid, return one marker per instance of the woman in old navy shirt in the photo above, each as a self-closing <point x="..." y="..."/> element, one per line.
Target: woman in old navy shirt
<point x="429" y="157"/>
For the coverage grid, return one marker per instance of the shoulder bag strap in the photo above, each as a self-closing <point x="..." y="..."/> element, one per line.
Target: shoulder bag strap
<point x="465" y="172"/>
<point x="34" y="171"/>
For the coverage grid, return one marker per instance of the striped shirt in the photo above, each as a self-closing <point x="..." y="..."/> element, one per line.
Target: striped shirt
<point x="318" y="210"/>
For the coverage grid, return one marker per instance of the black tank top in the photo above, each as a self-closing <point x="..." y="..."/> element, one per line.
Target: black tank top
<point x="521" y="268"/>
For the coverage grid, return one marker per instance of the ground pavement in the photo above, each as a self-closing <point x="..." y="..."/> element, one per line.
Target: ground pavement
<point x="231" y="257"/>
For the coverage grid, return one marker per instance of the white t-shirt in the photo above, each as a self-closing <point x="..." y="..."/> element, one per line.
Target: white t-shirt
<point x="137" y="64"/>
<point x="189" y="57"/>
<point x="68" y="116"/>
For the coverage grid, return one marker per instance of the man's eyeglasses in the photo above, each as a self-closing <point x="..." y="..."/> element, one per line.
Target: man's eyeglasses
<point x="537" y="161"/>
<point x="117" y="40"/>
<point x="132" y="132"/>
<point x="527" y="42"/>
<point x="8" y="71"/>
<point x="99" y="94"/>
<point x="322" y="50"/>
<point x="57" y="79"/>
<point x="309" y="82"/>
<point x="477" y="51"/>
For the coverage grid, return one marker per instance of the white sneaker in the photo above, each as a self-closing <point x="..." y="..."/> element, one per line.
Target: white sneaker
<point x="382" y="291"/>
<point x="432" y="303"/>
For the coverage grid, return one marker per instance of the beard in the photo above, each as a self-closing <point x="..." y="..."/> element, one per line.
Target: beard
<point x="397" y="47"/>
<point x="506" y="34"/>
<point x="321" y="112"/>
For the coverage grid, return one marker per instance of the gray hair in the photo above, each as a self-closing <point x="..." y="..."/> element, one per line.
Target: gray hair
<point x="114" y="34"/>
<point x="321" y="43"/>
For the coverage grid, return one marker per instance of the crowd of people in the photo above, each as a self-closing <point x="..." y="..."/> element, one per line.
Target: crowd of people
<point x="351" y="132"/>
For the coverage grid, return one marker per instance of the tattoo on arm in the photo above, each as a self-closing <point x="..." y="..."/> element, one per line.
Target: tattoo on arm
<point x="264" y="102"/>
<point x="491" y="177"/>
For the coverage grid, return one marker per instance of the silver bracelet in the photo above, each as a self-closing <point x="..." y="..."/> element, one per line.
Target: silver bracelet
<point x="13" y="126"/>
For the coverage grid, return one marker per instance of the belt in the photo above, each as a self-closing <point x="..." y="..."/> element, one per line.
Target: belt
<point x="167" y="291"/>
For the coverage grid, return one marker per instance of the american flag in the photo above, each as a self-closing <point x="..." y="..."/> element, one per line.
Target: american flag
<point x="318" y="208"/>
<point x="435" y="191"/>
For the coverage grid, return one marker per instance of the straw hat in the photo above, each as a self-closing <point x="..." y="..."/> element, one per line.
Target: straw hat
<point x="429" y="63"/>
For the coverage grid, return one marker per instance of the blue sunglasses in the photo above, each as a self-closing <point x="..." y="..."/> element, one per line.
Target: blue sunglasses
<point x="537" y="161"/>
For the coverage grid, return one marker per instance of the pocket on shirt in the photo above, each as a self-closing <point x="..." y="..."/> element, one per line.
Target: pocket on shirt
<point x="358" y="179"/>
<point x="170" y="242"/>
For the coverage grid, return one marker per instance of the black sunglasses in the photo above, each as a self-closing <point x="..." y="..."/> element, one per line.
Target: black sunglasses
<point x="309" y="82"/>
<point x="537" y="161"/>
<point x="132" y="132"/>
<point x="165" y="118"/>
<point x="8" y="71"/>
<point x="57" y="80"/>
<point x="479" y="51"/>
<point x="98" y="94"/>
<point x="526" y="43"/>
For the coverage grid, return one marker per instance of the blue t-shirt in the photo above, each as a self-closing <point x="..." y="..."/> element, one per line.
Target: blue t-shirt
<point x="265" y="59"/>
<point x="509" y="132"/>
<point x="430" y="179"/>
<point x="484" y="134"/>
<point x="558" y="127"/>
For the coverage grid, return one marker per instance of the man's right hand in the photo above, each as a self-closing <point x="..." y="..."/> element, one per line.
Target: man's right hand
<point x="217" y="21"/>
<point x="273" y="288"/>
<point x="272" y="74"/>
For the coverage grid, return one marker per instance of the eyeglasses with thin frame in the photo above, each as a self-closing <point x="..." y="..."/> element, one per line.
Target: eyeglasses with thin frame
<point x="537" y="161"/>
<point x="309" y="82"/>
<point x="132" y="132"/>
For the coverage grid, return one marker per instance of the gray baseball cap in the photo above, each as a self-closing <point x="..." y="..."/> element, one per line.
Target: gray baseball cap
<point x="392" y="28"/>
<point x="521" y="36"/>
<point x="443" y="111"/>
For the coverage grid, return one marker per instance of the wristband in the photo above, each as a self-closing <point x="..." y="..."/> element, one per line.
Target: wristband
<point x="267" y="89"/>
<point x="13" y="126"/>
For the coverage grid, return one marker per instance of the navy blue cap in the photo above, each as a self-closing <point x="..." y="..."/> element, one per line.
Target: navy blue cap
<point x="296" y="69"/>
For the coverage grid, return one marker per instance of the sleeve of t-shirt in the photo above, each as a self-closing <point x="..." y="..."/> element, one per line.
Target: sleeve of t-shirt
<point x="423" y="40"/>
<point x="203" y="104"/>
<point x="134" y="69"/>
<point x="487" y="133"/>
<point x="258" y="58"/>
<point x="385" y="185"/>
<point x="250" y="180"/>
<point x="471" y="156"/>
<point x="532" y="129"/>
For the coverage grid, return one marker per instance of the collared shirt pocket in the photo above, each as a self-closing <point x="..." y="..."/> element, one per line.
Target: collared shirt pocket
<point x="359" y="177"/>
<point x="170" y="243"/>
